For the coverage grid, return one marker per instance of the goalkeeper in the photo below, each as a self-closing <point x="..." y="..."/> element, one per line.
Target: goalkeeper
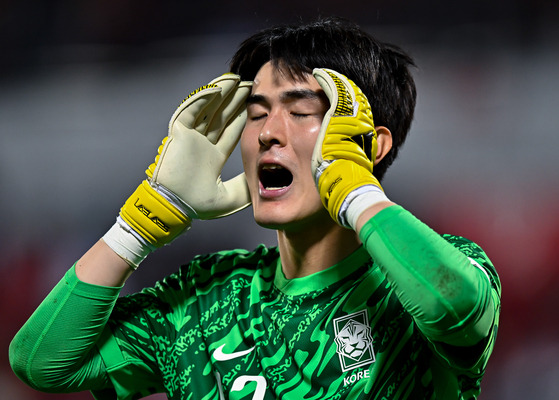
<point x="359" y="300"/>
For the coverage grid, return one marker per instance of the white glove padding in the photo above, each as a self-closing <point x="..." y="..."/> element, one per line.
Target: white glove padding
<point x="203" y="132"/>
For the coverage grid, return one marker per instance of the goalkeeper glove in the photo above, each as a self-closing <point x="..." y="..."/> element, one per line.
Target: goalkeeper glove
<point x="184" y="182"/>
<point x="346" y="147"/>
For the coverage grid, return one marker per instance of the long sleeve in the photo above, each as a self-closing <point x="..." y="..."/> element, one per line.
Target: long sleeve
<point x="55" y="350"/>
<point x="449" y="295"/>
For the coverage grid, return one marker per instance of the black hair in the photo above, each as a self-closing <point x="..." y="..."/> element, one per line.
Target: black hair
<point x="381" y="70"/>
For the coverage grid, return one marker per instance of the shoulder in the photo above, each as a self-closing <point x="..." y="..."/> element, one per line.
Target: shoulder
<point x="200" y="274"/>
<point x="477" y="256"/>
<point x="239" y="258"/>
<point x="205" y="270"/>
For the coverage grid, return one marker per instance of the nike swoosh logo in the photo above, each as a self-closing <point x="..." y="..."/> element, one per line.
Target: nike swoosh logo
<point x="219" y="355"/>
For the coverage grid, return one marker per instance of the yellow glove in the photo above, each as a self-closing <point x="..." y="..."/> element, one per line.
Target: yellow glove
<point x="184" y="182"/>
<point x="344" y="154"/>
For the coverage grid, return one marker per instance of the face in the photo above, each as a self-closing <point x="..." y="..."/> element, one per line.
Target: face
<point x="284" y="118"/>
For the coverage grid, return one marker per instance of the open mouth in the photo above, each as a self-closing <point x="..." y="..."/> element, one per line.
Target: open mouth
<point x="275" y="177"/>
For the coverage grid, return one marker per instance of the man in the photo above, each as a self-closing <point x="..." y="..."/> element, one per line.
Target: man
<point x="360" y="300"/>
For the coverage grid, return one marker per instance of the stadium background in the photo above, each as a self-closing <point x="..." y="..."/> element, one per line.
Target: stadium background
<point x="86" y="90"/>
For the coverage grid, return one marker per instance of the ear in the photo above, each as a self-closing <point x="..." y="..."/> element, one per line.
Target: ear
<point x="384" y="141"/>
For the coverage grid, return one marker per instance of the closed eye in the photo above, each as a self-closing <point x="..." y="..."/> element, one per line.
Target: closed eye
<point x="257" y="117"/>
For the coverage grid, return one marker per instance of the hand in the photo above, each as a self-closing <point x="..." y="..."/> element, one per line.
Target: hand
<point x="203" y="132"/>
<point x="184" y="182"/>
<point x="346" y="147"/>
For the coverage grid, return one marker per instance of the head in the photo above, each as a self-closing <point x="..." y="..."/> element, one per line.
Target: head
<point x="381" y="70"/>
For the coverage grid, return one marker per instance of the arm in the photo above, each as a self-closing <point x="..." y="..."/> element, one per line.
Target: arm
<point x="100" y="265"/>
<point x="55" y="350"/>
<point x="449" y="298"/>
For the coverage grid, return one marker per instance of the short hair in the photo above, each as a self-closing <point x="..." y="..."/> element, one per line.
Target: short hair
<point x="381" y="70"/>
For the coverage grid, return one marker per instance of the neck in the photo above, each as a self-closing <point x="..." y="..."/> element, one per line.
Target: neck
<point x="305" y="252"/>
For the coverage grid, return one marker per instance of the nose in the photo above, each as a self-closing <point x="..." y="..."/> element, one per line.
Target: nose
<point x="273" y="132"/>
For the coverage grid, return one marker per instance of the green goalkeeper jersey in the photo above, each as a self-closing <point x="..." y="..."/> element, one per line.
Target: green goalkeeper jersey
<point x="231" y="326"/>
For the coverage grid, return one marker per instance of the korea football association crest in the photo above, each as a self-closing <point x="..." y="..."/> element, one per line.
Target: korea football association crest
<point x="354" y="341"/>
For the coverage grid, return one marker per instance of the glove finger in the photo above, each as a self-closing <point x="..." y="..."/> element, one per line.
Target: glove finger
<point x="192" y="106"/>
<point x="339" y="90"/>
<point x="347" y="100"/>
<point x="232" y="100"/>
<point x="235" y="115"/>
<point x="326" y="82"/>
<point x="211" y="116"/>
<point x="197" y="109"/>
<point x="349" y="121"/>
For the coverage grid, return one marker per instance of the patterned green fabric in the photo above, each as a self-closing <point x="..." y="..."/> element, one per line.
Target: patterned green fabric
<point x="231" y="326"/>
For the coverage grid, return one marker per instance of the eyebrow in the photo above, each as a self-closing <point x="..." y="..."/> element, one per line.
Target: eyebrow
<point x="289" y="95"/>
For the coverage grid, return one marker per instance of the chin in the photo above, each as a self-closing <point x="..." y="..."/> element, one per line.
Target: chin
<point x="287" y="219"/>
<point x="271" y="221"/>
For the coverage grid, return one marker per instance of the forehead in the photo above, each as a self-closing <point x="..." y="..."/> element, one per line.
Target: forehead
<point x="270" y="79"/>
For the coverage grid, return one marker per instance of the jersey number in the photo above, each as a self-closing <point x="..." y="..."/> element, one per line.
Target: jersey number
<point x="241" y="381"/>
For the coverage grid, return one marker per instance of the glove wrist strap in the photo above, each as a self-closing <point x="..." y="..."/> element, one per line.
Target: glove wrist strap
<point x="357" y="202"/>
<point x="150" y="214"/>
<point x="127" y="243"/>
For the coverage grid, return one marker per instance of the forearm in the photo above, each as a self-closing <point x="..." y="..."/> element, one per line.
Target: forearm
<point x="100" y="265"/>
<point x="448" y="297"/>
<point x="54" y="351"/>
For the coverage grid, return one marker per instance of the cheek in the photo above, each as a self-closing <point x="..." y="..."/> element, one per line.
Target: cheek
<point x="314" y="131"/>
<point x="304" y="143"/>
<point x="244" y="149"/>
<point x="248" y="150"/>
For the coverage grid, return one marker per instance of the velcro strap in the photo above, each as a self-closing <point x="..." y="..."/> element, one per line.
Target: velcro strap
<point x="338" y="180"/>
<point x="152" y="216"/>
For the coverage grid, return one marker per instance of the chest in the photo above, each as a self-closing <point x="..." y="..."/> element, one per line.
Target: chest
<point x="263" y="344"/>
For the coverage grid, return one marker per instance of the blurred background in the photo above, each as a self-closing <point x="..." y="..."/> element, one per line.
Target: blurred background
<point x="87" y="88"/>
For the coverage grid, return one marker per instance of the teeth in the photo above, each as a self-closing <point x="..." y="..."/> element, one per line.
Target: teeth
<point x="272" y="167"/>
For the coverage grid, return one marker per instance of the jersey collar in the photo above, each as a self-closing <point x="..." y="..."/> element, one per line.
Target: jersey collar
<point x="321" y="279"/>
